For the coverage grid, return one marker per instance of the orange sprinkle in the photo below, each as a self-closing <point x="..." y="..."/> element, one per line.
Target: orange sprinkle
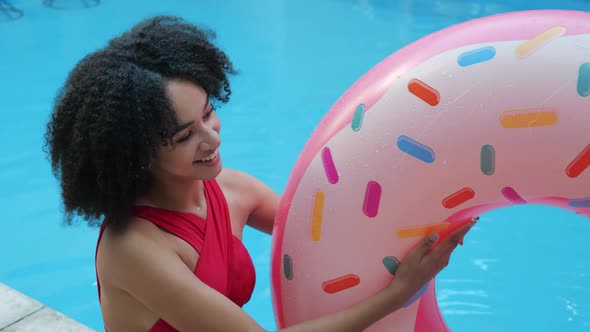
<point x="458" y="198"/>
<point x="316" y="220"/>
<point x="529" y="117"/>
<point x="341" y="283"/>
<point x="424" y="92"/>
<point x="578" y="165"/>
<point x="422" y="230"/>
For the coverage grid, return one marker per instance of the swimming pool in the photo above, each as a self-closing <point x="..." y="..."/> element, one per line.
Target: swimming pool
<point x="522" y="268"/>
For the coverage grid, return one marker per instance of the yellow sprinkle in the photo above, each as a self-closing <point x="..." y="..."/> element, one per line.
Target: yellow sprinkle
<point x="422" y="230"/>
<point x="532" y="45"/>
<point x="316" y="221"/>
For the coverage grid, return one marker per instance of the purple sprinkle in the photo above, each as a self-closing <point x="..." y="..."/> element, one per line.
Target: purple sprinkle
<point x="512" y="195"/>
<point x="372" y="199"/>
<point x="329" y="166"/>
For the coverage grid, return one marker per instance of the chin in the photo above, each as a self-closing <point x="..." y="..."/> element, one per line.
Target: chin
<point x="209" y="173"/>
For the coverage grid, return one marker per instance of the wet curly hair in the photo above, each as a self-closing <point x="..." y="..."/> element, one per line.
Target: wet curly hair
<point x="112" y="113"/>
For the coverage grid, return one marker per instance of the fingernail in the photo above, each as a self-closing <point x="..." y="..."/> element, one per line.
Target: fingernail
<point x="433" y="237"/>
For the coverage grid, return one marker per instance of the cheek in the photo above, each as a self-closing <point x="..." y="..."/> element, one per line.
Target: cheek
<point x="178" y="158"/>
<point x="186" y="154"/>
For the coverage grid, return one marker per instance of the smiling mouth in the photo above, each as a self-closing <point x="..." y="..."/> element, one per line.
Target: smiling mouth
<point x="208" y="158"/>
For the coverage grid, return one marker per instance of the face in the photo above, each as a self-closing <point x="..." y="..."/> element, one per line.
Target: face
<point x="194" y="155"/>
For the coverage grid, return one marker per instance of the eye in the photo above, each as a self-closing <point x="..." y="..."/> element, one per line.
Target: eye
<point x="185" y="137"/>
<point x="208" y="114"/>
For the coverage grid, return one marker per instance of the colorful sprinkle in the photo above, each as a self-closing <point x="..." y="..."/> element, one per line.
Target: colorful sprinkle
<point x="530" y="117"/>
<point x="357" y="120"/>
<point x="372" y="199"/>
<point x="340" y="284"/>
<point x="422" y="230"/>
<point x="584" y="80"/>
<point x="318" y="210"/>
<point x="488" y="159"/>
<point x="580" y="203"/>
<point x="391" y="263"/>
<point x="425" y="92"/>
<point x="533" y="45"/>
<point x="415" y="149"/>
<point x="458" y="198"/>
<point x="416" y="296"/>
<point x="288" y="267"/>
<point x="329" y="166"/>
<point x="476" y="56"/>
<point x="511" y="195"/>
<point x="579" y="165"/>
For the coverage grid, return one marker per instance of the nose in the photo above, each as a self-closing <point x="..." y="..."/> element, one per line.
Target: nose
<point x="211" y="140"/>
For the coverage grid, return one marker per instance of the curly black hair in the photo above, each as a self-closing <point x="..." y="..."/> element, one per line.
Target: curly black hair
<point x="112" y="113"/>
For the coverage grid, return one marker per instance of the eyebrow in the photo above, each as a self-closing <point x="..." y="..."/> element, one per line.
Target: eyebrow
<point x="190" y="123"/>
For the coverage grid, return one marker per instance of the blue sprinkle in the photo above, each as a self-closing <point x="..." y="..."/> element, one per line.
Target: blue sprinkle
<point x="584" y="80"/>
<point x="416" y="296"/>
<point x="476" y="56"/>
<point x="357" y="120"/>
<point x="580" y="203"/>
<point x="415" y="149"/>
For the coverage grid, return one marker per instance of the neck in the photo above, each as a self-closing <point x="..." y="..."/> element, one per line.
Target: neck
<point x="176" y="195"/>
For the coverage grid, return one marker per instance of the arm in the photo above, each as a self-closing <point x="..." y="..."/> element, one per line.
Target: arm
<point x="158" y="278"/>
<point x="163" y="283"/>
<point x="262" y="217"/>
<point x="264" y="201"/>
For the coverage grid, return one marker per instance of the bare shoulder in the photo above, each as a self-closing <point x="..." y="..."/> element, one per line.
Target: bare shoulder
<point x="137" y="230"/>
<point x="235" y="179"/>
<point x="244" y="184"/>
<point x="116" y="249"/>
<point x="239" y="189"/>
<point x="262" y="201"/>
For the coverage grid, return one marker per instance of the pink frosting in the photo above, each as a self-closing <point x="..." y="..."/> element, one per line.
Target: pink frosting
<point x="372" y="86"/>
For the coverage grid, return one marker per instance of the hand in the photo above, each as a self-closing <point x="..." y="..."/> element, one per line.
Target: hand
<point x="425" y="261"/>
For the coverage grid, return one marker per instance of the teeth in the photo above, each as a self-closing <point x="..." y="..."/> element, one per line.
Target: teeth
<point x="210" y="157"/>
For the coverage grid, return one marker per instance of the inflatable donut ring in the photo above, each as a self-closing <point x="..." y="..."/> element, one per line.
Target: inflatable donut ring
<point x="481" y="115"/>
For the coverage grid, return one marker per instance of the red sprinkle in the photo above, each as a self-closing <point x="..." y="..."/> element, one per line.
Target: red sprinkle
<point x="458" y="198"/>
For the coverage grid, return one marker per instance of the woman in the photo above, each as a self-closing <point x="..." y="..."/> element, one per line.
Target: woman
<point x="134" y="140"/>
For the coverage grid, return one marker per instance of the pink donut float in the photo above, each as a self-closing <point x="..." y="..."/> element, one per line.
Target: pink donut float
<point x="481" y="115"/>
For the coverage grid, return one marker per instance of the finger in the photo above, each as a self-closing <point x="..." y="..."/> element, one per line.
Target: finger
<point x="425" y="245"/>
<point x="458" y="234"/>
<point x="441" y="257"/>
<point x="456" y="225"/>
<point x="463" y="237"/>
<point x="447" y="248"/>
<point x="452" y="241"/>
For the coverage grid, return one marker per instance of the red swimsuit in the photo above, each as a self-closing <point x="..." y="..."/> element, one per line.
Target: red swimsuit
<point x="224" y="263"/>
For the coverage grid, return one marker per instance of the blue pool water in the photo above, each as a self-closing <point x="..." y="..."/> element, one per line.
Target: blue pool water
<point x="521" y="269"/>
